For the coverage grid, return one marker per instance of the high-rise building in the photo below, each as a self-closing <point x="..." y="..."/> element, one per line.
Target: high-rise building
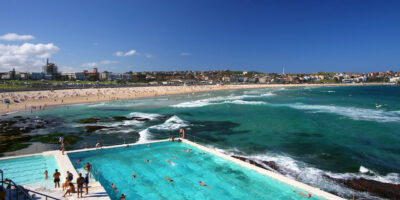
<point x="50" y="68"/>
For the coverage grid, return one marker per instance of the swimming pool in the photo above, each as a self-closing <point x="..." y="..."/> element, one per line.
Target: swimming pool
<point x="30" y="170"/>
<point x="227" y="180"/>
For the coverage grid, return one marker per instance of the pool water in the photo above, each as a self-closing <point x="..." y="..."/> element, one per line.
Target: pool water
<point x="227" y="180"/>
<point x="30" y="170"/>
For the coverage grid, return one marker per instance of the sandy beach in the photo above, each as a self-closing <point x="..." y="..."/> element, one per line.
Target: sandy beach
<point x="32" y="101"/>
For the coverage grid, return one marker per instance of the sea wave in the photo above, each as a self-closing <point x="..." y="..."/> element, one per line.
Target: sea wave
<point x="246" y="102"/>
<point x="351" y="112"/>
<point x="173" y="123"/>
<point x="313" y="176"/>
<point x="218" y="100"/>
<point x="150" y="116"/>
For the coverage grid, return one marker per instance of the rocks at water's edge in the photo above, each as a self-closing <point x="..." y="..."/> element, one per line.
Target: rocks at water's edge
<point x="90" y="129"/>
<point x="385" y="190"/>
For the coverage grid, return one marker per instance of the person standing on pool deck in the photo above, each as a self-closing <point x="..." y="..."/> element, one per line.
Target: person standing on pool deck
<point x="87" y="184"/>
<point x="182" y="132"/>
<point x="62" y="148"/>
<point x="56" y="177"/>
<point x="80" y="181"/>
<point x="88" y="167"/>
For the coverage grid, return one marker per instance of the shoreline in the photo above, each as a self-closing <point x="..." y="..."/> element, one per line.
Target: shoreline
<point x="33" y="101"/>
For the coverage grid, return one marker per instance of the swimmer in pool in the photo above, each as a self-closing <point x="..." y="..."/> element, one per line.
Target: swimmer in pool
<point x="148" y="145"/>
<point x="203" y="184"/>
<point x="171" y="163"/>
<point x="133" y="175"/>
<point x="168" y="179"/>
<point x="302" y="194"/>
<point x="77" y="162"/>
<point x="114" y="187"/>
<point x="174" y="157"/>
<point x="188" y="150"/>
<point x="148" y="161"/>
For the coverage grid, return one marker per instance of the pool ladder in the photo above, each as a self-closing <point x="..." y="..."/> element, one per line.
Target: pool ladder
<point x="20" y="192"/>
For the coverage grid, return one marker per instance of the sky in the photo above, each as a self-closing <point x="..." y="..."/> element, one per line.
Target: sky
<point x="302" y="36"/>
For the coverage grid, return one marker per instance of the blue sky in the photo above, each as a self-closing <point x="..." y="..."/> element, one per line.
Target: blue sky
<point x="148" y="35"/>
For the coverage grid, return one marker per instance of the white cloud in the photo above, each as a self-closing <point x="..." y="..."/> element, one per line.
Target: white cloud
<point x="90" y="64"/>
<point x="129" y="53"/>
<point x="107" y="62"/>
<point x="103" y="62"/>
<point x="185" y="54"/>
<point x="15" y="37"/>
<point x="148" y="55"/>
<point x="25" y="57"/>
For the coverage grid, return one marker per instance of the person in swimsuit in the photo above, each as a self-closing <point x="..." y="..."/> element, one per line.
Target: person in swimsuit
<point x="203" y="184"/>
<point x="88" y="167"/>
<point x="148" y="161"/>
<point x="171" y="163"/>
<point x="77" y="162"/>
<point x="114" y="187"/>
<point x="123" y="196"/>
<point x="46" y="175"/>
<point x="168" y="179"/>
<point x="133" y="175"/>
<point x="87" y="184"/>
<point x="71" y="189"/>
<point x="56" y="177"/>
<point x="80" y="181"/>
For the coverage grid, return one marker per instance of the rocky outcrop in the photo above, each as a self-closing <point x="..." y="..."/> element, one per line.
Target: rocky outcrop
<point x="385" y="190"/>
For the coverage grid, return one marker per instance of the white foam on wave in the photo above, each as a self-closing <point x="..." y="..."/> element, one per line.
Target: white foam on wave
<point x="351" y="112"/>
<point x="303" y="172"/>
<point x="216" y="101"/>
<point x="246" y="102"/>
<point x="150" y="116"/>
<point x="268" y="94"/>
<point x="173" y="123"/>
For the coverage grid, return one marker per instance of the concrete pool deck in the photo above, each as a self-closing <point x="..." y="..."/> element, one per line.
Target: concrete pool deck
<point x="97" y="191"/>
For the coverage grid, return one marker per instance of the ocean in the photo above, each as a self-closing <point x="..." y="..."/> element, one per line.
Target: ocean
<point x="313" y="134"/>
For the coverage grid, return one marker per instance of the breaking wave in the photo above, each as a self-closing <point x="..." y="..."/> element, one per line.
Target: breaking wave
<point x="173" y="123"/>
<point x="220" y="100"/>
<point x="351" y="112"/>
<point x="150" y="116"/>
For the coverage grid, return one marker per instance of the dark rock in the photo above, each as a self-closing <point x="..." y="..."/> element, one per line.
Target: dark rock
<point x="91" y="129"/>
<point x="122" y="118"/>
<point x="385" y="190"/>
<point x="88" y="120"/>
<point x="270" y="164"/>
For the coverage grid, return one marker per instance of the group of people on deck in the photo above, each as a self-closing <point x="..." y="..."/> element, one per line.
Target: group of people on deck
<point x="68" y="185"/>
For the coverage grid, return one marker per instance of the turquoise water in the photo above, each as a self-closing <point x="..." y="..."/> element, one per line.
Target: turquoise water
<point x="30" y="170"/>
<point x="308" y="132"/>
<point x="226" y="180"/>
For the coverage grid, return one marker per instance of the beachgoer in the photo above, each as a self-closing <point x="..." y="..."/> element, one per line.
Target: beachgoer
<point x="80" y="181"/>
<point x="88" y="168"/>
<point x="127" y="146"/>
<point x="71" y="188"/>
<point x="179" y="140"/>
<point x="70" y="176"/>
<point x="123" y="196"/>
<point x="77" y="162"/>
<point x="65" y="184"/>
<point x="56" y="177"/>
<point x="61" y="139"/>
<point x="148" y="161"/>
<point x="203" y="184"/>
<point x="133" y="175"/>
<point x="46" y="174"/>
<point x="182" y="132"/>
<point x="87" y="184"/>
<point x="174" y="157"/>
<point x="168" y="179"/>
<point x="171" y="163"/>
<point x="98" y="145"/>
<point x="62" y="148"/>
<point x="114" y="187"/>
<point x="172" y="138"/>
